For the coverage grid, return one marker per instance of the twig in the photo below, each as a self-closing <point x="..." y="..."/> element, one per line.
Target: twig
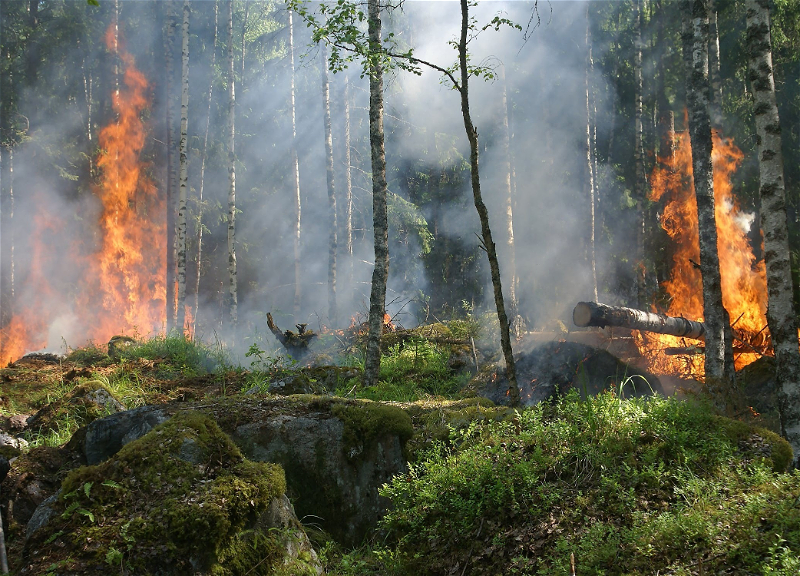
<point x="474" y="354"/>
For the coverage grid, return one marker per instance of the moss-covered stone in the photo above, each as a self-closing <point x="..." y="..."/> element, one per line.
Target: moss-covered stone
<point x="364" y="421"/>
<point x="180" y="500"/>
<point x="86" y="402"/>
<point x="758" y="442"/>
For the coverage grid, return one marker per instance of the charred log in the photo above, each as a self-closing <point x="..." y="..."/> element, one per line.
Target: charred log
<point x="296" y="343"/>
<point x="602" y="315"/>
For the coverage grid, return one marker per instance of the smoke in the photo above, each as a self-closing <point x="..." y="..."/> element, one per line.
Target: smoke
<point x="545" y="78"/>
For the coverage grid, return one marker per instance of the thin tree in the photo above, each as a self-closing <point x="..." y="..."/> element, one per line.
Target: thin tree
<point x="169" y="55"/>
<point x="380" y="217"/>
<point x="640" y="181"/>
<point x="204" y="157"/>
<point x="184" y="173"/>
<point x="780" y="311"/>
<point x="718" y="370"/>
<point x="332" y="224"/>
<point x="591" y="180"/>
<point x="508" y="191"/>
<point x="232" y="280"/>
<point x="298" y="294"/>
<point x="714" y="67"/>
<point x="348" y="183"/>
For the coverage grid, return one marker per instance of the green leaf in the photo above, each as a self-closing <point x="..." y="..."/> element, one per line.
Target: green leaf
<point x="93" y="2"/>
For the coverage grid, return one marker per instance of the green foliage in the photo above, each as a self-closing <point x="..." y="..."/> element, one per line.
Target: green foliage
<point x="629" y="487"/>
<point x="180" y="355"/>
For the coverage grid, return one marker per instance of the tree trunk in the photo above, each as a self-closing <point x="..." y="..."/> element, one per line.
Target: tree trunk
<point x="5" y="221"/>
<point x="169" y="43"/>
<point x="780" y="312"/>
<point x="380" y="274"/>
<point x="602" y="315"/>
<point x="718" y="369"/>
<point x="298" y="294"/>
<point x="483" y="213"/>
<point x="32" y="45"/>
<point x="590" y="159"/>
<point x="640" y="182"/>
<point x="180" y="323"/>
<point x="714" y="68"/>
<point x="505" y="144"/>
<point x="348" y="182"/>
<point x="204" y="157"/>
<point x="232" y="280"/>
<point x="244" y="45"/>
<point x="665" y="119"/>
<point x="333" y="224"/>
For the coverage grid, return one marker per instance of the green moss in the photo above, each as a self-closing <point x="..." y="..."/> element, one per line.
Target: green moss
<point x="364" y="421"/>
<point x="181" y="495"/>
<point x="761" y="441"/>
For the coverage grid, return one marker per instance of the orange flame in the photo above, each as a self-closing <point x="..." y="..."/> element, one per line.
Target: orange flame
<point x="122" y="286"/>
<point x="744" y="290"/>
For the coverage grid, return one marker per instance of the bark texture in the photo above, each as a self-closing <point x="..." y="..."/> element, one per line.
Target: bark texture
<point x="348" y="183"/>
<point x="180" y="322"/>
<point x="602" y="315"/>
<point x="332" y="223"/>
<point x="169" y="54"/>
<point x="380" y="274"/>
<point x="298" y="294"/>
<point x="718" y="369"/>
<point x="232" y="280"/>
<point x="483" y="213"/>
<point x="203" y="158"/>
<point x="714" y="67"/>
<point x="780" y="311"/>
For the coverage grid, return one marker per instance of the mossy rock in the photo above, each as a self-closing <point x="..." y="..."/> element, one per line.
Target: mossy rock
<point x="757" y="442"/>
<point x="436" y="421"/>
<point x="86" y="402"/>
<point x="180" y="500"/>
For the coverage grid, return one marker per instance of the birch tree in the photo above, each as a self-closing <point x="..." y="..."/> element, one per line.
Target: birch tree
<point x="780" y="311"/>
<point x="295" y="177"/>
<point x="232" y="280"/>
<point x="184" y="173"/>
<point x="591" y="181"/>
<point x="348" y="183"/>
<point x="718" y="369"/>
<point x="332" y="223"/>
<point x="714" y="67"/>
<point x="169" y="43"/>
<point x="203" y="158"/>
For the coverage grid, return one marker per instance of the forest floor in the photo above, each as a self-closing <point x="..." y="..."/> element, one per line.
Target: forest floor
<point x="605" y="484"/>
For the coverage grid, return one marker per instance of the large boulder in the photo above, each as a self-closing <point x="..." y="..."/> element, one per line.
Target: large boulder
<point x="336" y="453"/>
<point x="180" y="500"/>
<point x="555" y="368"/>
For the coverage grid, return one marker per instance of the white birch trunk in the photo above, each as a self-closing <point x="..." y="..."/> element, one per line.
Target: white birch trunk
<point x="589" y="160"/>
<point x="780" y="312"/>
<point x="232" y="280"/>
<point x="298" y="207"/>
<point x="380" y="274"/>
<point x="203" y="178"/>
<point x="505" y="143"/>
<point x="183" y="173"/>
<point x="718" y="369"/>
<point x="348" y="182"/>
<point x="332" y="224"/>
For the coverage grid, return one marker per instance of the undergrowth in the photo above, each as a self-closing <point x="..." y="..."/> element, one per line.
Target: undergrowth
<point x="627" y="486"/>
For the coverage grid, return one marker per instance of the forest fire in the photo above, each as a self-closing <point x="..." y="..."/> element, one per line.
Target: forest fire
<point x="744" y="289"/>
<point x="121" y="287"/>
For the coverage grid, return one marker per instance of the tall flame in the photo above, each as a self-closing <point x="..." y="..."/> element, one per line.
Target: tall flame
<point x="744" y="289"/>
<point x="122" y="285"/>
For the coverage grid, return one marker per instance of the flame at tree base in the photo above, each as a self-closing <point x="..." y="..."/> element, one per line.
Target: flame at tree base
<point x="744" y="286"/>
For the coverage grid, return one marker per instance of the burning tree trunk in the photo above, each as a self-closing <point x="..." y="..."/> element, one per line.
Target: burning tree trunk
<point x="380" y="274"/>
<point x="602" y="315"/>
<point x="333" y="224"/>
<point x="184" y="172"/>
<point x="780" y="312"/>
<point x="232" y="281"/>
<point x="204" y="157"/>
<point x="295" y="178"/>
<point x="719" y="352"/>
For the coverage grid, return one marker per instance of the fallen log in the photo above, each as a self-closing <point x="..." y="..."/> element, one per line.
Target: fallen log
<point x="602" y="315"/>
